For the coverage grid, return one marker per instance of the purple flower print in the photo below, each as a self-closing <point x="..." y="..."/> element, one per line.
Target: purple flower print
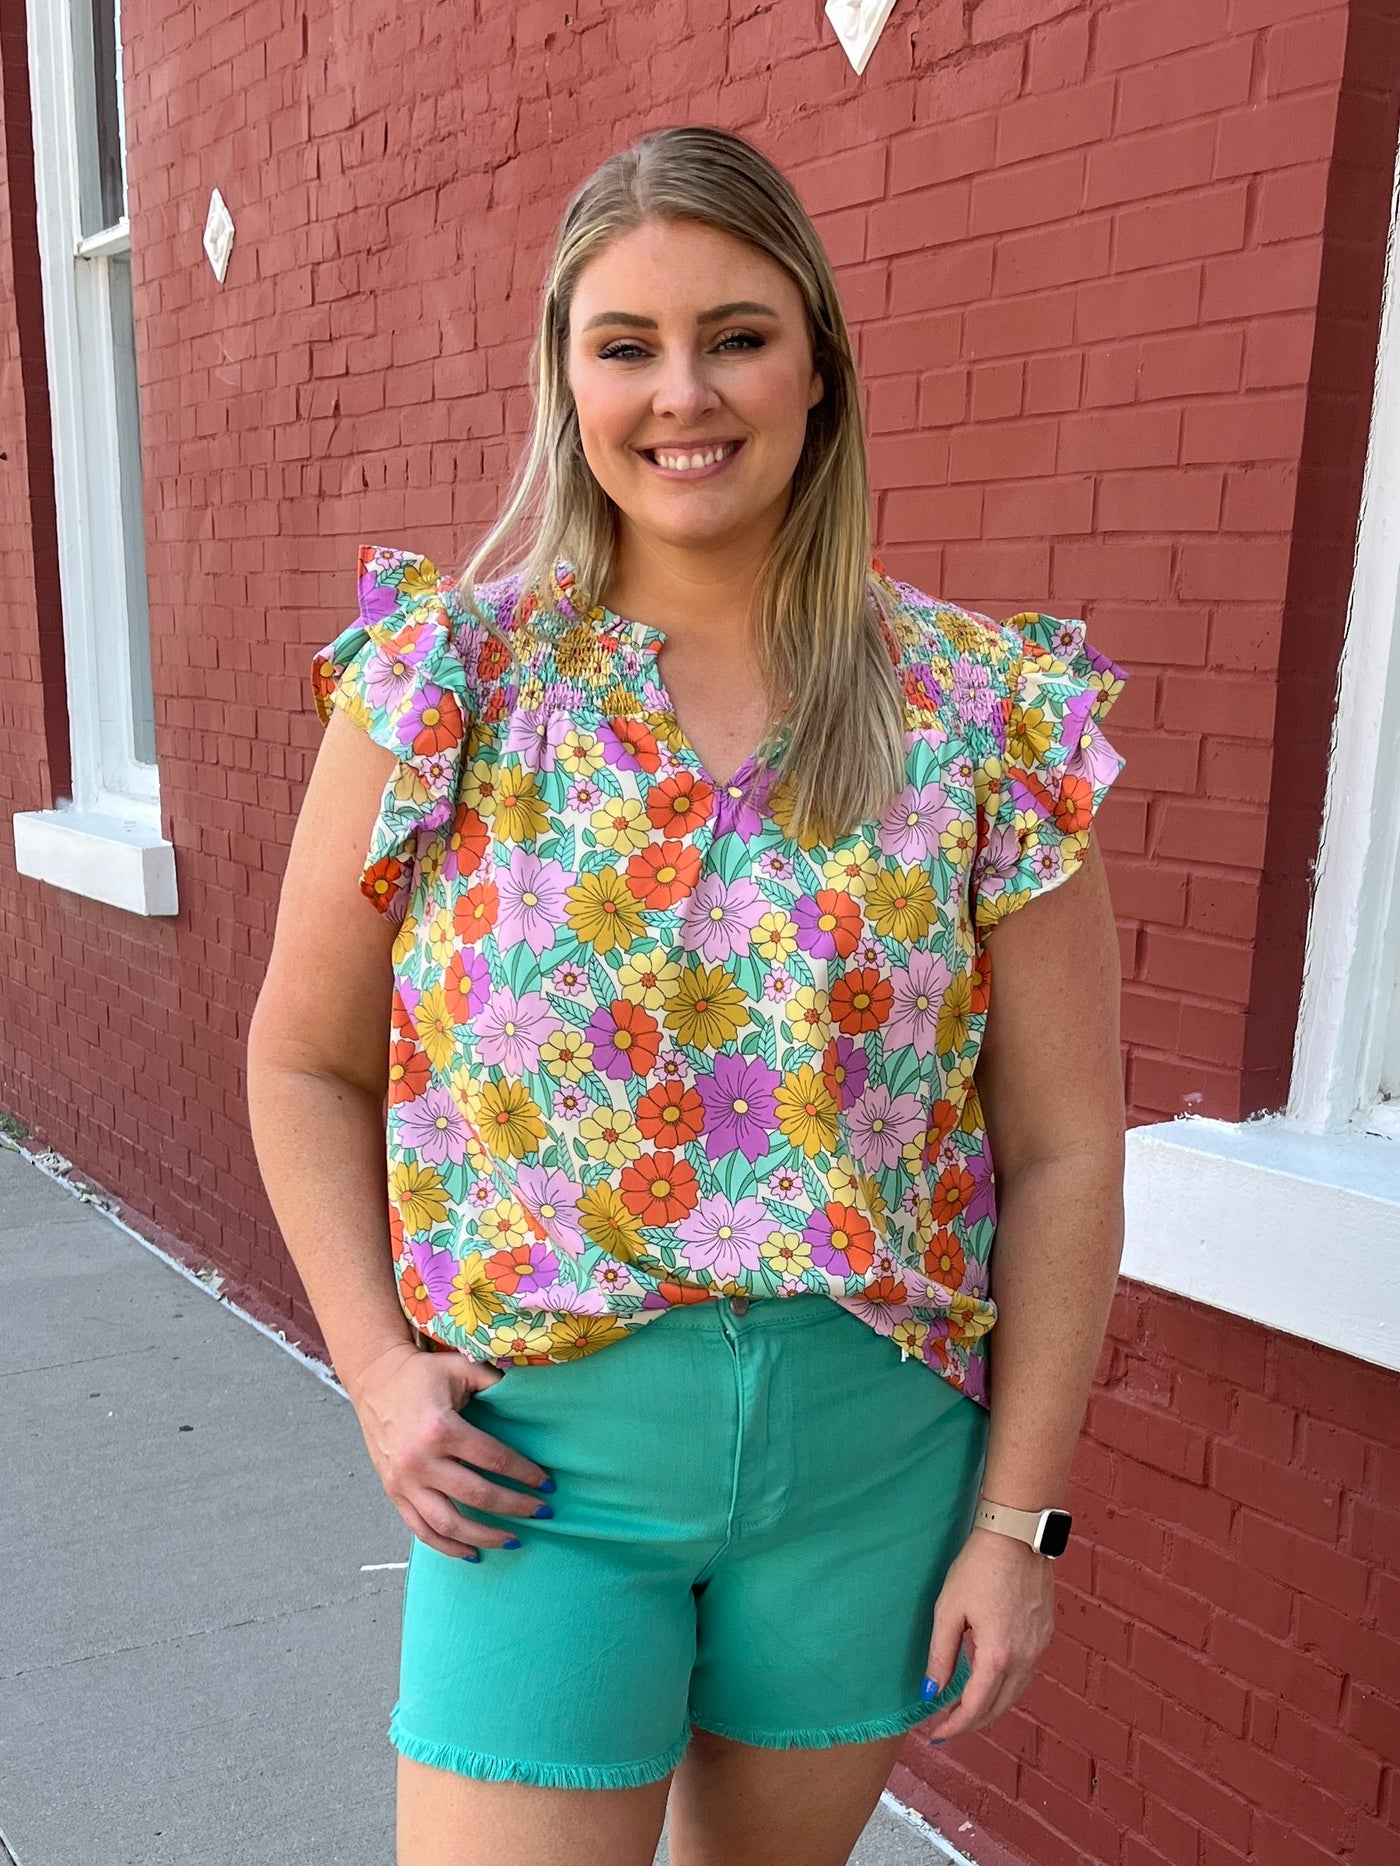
<point x="724" y="1235"/>
<point x="912" y="825"/>
<point x="739" y="804"/>
<point x="720" y="916"/>
<point x="568" y="1297"/>
<point x="535" y="737"/>
<point x="552" y="1197"/>
<point x="532" y="896"/>
<point x="972" y="693"/>
<point x="851" y="1070"/>
<point x="918" y="993"/>
<point x="510" y="1031"/>
<point x="881" y="1126"/>
<point x="437" y="1271"/>
<point x="432" y="1126"/>
<point x="389" y="675"/>
<point x="925" y="686"/>
<point x="739" y="1105"/>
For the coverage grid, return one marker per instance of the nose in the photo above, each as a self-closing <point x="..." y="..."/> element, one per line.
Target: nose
<point x="683" y="390"/>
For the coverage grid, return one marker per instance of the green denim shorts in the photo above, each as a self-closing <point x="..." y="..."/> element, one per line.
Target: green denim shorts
<point x="754" y="1513"/>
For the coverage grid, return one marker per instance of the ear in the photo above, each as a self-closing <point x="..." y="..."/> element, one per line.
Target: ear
<point x="818" y="389"/>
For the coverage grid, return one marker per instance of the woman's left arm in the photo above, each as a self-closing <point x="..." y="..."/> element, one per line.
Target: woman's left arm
<point x="1049" y="1077"/>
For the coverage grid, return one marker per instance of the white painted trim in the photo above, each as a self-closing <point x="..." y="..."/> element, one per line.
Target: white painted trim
<point x="858" y="25"/>
<point x="1347" y="1048"/>
<point x="93" y="546"/>
<point x="1297" y="1231"/>
<point x="120" y="860"/>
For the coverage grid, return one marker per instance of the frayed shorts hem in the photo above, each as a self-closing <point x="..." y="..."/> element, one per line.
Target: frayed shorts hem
<point x="484" y="1767"/>
<point x="829" y="1737"/>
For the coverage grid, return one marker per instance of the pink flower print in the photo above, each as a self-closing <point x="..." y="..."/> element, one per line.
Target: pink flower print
<point x="912" y="825"/>
<point x="584" y="794"/>
<point x="918" y="994"/>
<point x="568" y="1297"/>
<point x="786" y="1185"/>
<point x="535" y="737"/>
<point x="724" y="1235"/>
<point x="773" y="865"/>
<point x="532" y="896"/>
<point x="389" y="676"/>
<point x="551" y="1197"/>
<point x="570" y="978"/>
<point x="881" y="1126"/>
<point x="720" y="916"/>
<point x="972" y="692"/>
<point x="778" y="986"/>
<point x="510" y="1031"/>
<point x="570" y="1103"/>
<point x="431" y="1125"/>
<point x="739" y="1106"/>
<point x="437" y="1270"/>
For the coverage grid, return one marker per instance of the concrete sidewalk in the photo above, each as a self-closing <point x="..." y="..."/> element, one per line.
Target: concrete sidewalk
<point x="198" y="1635"/>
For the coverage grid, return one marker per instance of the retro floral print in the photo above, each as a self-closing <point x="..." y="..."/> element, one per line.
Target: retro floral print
<point x="649" y="1046"/>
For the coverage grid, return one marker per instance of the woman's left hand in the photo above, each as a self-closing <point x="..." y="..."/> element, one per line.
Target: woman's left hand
<point x="999" y="1595"/>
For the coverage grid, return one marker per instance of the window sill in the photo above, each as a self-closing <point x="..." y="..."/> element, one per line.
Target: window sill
<point x="1295" y="1230"/>
<point x="117" y="859"/>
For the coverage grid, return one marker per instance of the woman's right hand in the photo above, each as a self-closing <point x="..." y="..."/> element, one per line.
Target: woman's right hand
<point x="407" y="1403"/>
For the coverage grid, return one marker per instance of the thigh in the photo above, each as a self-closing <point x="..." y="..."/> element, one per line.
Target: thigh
<point x="453" y="1820"/>
<point x="816" y="1630"/>
<point x="735" y="1805"/>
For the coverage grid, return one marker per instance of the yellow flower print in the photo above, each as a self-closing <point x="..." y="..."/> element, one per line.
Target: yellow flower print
<point x="958" y="1081"/>
<point x="708" y="1008"/>
<point x="610" y="1134"/>
<point x="436" y="1030"/>
<point x="419" y="1194"/>
<point x="786" y="1253"/>
<point x="775" y="937"/>
<point x="959" y="841"/>
<point x="507" y="1119"/>
<point x="480" y="782"/>
<point x="967" y="636"/>
<point x="843" y="1177"/>
<point x="573" y="1336"/>
<point x="521" y="814"/>
<point x="781" y="807"/>
<point x="352" y="703"/>
<point x="621" y="824"/>
<point x="420" y="579"/>
<point x="609" y="1225"/>
<point x="576" y="652"/>
<point x="603" y="911"/>
<point x="852" y="869"/>
<point x="531" y="695"/>
<point x="518" y="1339"/>
<point x="647" y="979"/>
<point x="665" y="728"/>
<point x="909" y="1336"/>
<point x="409" y="788"/>
<point x="581" y="754"/>
<point x="504" y="1226"/>
<point x="969" y="1317"/>
<point x="808" y="1013"/>
<point x="806" y="1112"/>
<point x="901" y="904"/>
<point x="441" y="937"/>
<point x="405" y="939"/>
<point x="1029" y="733"/>
<point x="954" y="1014"/>
<point x="475" y="1301"/>
<point x="567" y="1054"/>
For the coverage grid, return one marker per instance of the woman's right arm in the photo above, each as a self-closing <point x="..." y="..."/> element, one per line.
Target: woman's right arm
<point x="318" y="1049"/>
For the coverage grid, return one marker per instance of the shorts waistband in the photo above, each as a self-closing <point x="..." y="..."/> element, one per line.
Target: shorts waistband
<point x="799" y="1311"/>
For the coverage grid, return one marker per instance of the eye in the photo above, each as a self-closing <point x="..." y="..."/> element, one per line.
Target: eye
<point x="619" y="350"/>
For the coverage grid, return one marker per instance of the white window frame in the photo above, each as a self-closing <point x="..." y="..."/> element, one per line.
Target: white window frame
<point x="1293" y="1220"/>
<point x="105" y="841"/>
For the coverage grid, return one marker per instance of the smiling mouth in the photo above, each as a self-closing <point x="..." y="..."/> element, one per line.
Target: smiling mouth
<point x="695" y="459"/>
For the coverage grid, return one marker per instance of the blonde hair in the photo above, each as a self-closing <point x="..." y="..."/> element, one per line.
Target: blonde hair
<point x="819" y="613"/>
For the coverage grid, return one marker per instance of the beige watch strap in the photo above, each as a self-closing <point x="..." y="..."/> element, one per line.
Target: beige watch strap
<point x="1022" y="1524"/>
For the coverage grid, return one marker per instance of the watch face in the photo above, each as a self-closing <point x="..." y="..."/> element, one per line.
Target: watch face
<point x="1054" y="1535"/>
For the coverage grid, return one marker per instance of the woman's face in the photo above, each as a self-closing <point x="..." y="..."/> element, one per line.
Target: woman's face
<point x="686" y="344"/>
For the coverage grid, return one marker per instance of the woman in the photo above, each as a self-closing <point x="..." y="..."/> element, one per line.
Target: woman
<point x="692" y="839"/>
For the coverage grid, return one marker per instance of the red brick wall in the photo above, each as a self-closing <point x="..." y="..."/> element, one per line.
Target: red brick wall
<point x="1115" y="275"/>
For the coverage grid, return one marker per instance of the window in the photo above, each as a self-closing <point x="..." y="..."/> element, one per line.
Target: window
<point x="105" y="840"/>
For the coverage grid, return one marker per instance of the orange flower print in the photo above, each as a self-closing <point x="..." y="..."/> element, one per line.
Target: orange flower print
<point x="662" y="873"/>
<point x="438" y="722"/>
<point x="952" y="1193"/>
<point x="465" y="986"/>
<point x="981" y="981"/>
<point x="508" y="1268"/>
<point x="381" y="881"/>
<point x="841" y="1239"/>
<point x="659" y="1189"/>
<point x="861" y="1000"/>
<point x="475" y="913"/>
<point x="681" y="803"/>
<point x="493" y="658"/>
<point x="400" y="1018"/>
<point x="943" y="1118"/>
<point x="466" y="840"/>
<point x="413" y="1294"/>
<point x="639" y="741"/>
<point x="625" y="1038"/>
<point x="409" y="1071"/>
<point x="1074" y="807"/>
<point x="944" y="1260"/>
<point x="671" y="1114"/>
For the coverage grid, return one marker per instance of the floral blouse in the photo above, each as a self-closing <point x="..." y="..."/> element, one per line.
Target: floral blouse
<point x="649" y="1047"/>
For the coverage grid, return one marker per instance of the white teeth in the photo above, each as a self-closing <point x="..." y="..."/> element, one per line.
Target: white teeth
<point x="688" y="463"/>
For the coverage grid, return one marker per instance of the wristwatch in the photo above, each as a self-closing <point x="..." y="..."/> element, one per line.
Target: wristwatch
<point x="1047" y="1531"/>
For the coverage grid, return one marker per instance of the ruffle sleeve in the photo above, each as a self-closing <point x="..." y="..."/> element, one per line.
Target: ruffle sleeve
<point x="400" y="675"/>
<point x="1038" y="797"/>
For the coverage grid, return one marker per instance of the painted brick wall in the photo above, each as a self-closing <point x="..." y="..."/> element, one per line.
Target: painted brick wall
<point x="1115" y="274"/>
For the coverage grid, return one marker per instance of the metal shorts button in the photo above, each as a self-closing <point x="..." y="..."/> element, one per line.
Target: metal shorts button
<point x="739" y="1304"/>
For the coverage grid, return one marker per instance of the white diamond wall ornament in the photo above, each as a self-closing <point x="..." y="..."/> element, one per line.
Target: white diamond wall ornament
<point x="218" y="235"/>
<point x="858" y="24"/>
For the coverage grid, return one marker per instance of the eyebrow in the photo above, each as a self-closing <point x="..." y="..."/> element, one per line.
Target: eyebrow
<point x="739" y="307"/>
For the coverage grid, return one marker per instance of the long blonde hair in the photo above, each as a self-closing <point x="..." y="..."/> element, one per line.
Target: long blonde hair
<point x="819" y="614"/>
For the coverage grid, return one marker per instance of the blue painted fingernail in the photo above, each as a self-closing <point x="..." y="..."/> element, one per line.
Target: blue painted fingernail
<point x="935" y="1739"/>
<point x="930" y="1689"/>
<point x="544" y="1510"/>
<point x="511" y="1542"/>
<point x="548" y="1484"/>
<point x="470" y="1557"/>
